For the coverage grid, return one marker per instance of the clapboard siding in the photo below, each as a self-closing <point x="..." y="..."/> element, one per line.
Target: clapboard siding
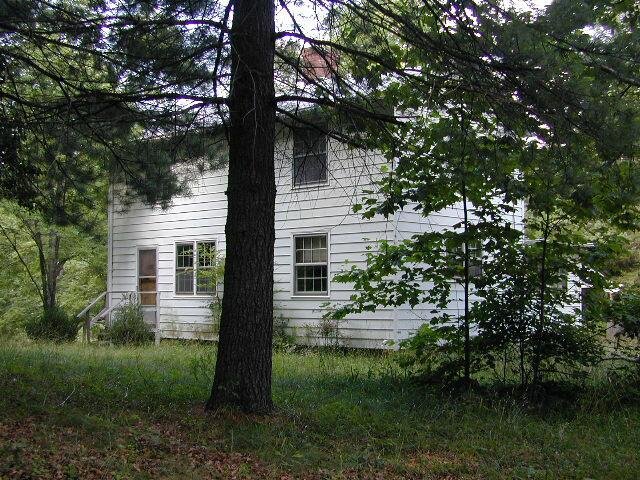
<point x="201" y="215"/>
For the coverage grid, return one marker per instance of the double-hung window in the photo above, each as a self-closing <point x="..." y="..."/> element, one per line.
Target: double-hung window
<point x="195" y="268"/>
<point x="311" y="265"/>
<point x="475" y="260"/>
<point x="309" y="157"/>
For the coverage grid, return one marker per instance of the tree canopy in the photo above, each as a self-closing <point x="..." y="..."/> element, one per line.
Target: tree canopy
<point x="472" y="100"/>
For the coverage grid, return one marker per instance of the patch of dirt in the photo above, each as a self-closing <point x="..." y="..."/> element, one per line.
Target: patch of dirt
<point x="77" y="447"/>
<point x="36" y="450"/>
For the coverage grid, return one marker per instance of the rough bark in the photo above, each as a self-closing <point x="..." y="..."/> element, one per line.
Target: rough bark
<point x="243" y="367"/>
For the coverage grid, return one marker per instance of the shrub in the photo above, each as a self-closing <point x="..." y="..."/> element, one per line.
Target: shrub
<point x="282" y="338"/>
<point x="435" y="354"/>
<point x="215" y="309"/>
<point x="129" y="327"/>
<point x="54" y="324"/>
<point x="624" y="311"/>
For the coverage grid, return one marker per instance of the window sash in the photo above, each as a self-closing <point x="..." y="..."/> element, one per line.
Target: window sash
<point x="187" y="280"/>
<point x="205" y="285"/>
<point x="309" y="157"/>
<point x="184" y="268"/>
<point x="311" y="265"/>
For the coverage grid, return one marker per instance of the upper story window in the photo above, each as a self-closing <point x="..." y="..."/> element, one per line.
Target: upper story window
<point x="311" y="265"/>
<point x="309" y="157"/>
<point x="195" y="268"/>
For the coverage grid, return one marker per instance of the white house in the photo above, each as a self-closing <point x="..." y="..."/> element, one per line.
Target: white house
<point x="318" y="181"/>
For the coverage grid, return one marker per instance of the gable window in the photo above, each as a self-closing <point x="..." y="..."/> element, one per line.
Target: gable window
<point x="311" y="265"/>
<point x="195" y="268"/>
<point x="309" y="157"/>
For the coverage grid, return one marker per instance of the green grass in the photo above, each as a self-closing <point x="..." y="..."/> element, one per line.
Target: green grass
<point x="106" y="412"/>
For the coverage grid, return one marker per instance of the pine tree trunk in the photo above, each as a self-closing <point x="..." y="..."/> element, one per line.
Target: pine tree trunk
<point x="243" y="367"/>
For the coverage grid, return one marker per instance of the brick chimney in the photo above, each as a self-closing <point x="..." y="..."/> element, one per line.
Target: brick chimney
<point x="319" y="64"/>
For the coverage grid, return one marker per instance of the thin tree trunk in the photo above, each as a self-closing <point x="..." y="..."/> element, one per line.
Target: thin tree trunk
<point x="44" y="274"/>
<point x="243" y="367"/>
<point x="539" y="331"/>
<point x="467" y="336"/>
<point x="54" y="269"/>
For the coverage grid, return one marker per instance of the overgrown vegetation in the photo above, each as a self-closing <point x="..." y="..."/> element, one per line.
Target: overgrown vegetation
<point x="132" y="412"/>
<point x="53" y="324"/>
<point x="47" y="266"/>
<point x="128" y="326"/>
<point x="478" y="154"/>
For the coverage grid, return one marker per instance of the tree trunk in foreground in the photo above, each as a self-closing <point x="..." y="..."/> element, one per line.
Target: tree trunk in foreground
<point x="243" y="367"/>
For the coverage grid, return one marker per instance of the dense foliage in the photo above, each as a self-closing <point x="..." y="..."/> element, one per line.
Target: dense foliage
<point x="128" y="326"/>
<point x="533" y="122"/>
<point x="53" y="324"/>
<point x="481" y="106"/>
<point x="80" y="260"/>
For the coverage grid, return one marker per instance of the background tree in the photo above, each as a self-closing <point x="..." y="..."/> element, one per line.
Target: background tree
<point x="533" y="79"/>
<point x="170" y="82"/>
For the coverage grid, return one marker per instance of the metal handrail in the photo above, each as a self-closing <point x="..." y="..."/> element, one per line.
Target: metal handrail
<point x="88" y="307"/>
<point x="100" y="297"/>
<point x="105" y="311"/>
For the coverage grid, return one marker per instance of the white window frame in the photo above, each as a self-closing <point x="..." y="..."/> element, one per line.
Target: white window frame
<point x="194" y="246"/>
<point x="138" y="292"/>
<point x="478" y="268"/>
<point x="294" y="264"/>
<point x="319" y="183"/>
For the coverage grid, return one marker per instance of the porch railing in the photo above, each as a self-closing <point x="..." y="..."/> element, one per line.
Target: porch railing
<point x="126" y="295"/>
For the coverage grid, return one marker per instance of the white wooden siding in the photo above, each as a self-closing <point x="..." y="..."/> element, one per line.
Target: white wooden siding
<point x="325" y="208"/>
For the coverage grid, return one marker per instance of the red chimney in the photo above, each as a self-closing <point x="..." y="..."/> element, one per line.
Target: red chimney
<point x="319" y="64"/>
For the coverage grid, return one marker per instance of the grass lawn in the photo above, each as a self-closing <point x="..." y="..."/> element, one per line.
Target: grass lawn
<point x="71" y="411"/>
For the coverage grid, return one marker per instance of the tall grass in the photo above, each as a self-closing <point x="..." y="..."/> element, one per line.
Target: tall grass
<point x="335" y="411"/>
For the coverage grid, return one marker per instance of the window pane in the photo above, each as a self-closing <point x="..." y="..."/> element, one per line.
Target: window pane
<point x="206" y="282"/>
<point x="184" y="281"/>
<point x="184" y="255"/>
<point x="147" y="263"/>
<point x="309" y="156"/>
<point x="147" y="285"/>
<point x="320" y="255"/>
<point x="206" y="254"/>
